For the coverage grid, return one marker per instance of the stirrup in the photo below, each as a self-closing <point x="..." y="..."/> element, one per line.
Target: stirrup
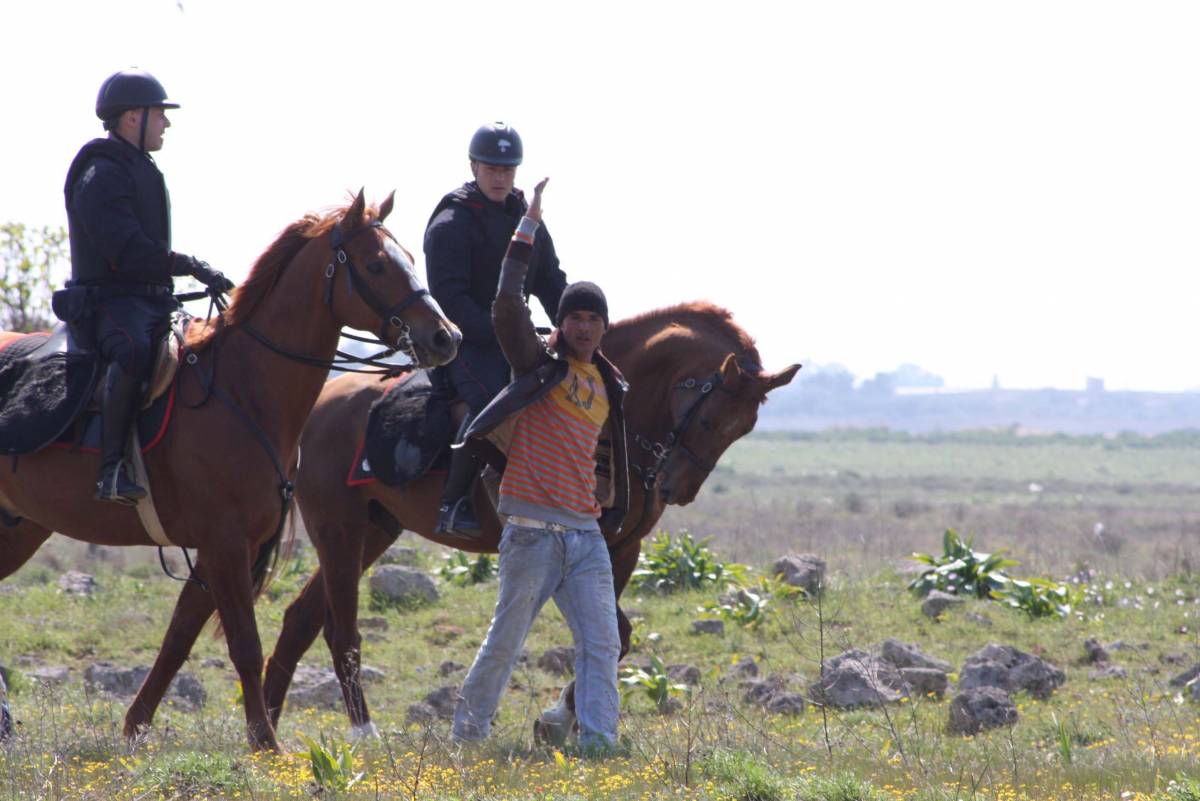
<point x="121" y="489"/>
<point x="458" y="519"/>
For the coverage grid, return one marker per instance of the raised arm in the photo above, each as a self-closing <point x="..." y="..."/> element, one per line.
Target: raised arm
<point x="510" y="315"/>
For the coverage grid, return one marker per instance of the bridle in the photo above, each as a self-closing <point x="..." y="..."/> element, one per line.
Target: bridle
<point x="661" y="451"/>
<point x="390" y="315"/>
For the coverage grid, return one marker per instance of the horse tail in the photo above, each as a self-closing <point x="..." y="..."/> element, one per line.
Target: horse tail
<point x="281" y="543"/>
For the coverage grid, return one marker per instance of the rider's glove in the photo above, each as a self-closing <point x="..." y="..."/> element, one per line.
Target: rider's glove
<point x="213" y="279"/>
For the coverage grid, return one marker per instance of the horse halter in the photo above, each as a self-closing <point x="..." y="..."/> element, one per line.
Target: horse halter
<point x="390" y="315"/>
<point x="674" y="440"/>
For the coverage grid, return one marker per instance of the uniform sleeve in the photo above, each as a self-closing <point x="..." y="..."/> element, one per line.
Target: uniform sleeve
<point x="448" y="271"/>
<point x="550" y="280"/>
<point x="103" y="203"/>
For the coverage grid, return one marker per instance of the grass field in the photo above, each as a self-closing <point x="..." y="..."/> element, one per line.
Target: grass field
<point x="863" y="502"/>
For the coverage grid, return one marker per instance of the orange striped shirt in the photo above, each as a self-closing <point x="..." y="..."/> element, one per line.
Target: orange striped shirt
<point x="552" y="455"/>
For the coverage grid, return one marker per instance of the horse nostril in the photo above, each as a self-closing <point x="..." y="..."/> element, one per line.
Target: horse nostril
<point x="442" y="340"/>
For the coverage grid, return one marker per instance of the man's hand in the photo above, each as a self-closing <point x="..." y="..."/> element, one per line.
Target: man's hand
<point x="213" y="279"/>
<point x="535" y="208"/>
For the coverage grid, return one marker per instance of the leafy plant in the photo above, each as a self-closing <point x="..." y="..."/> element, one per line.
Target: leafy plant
<point x="463" y="571"/>
<point x="332" y="763"/>
<point x="1037" y="597"/>
<point x="1062" y="738"/>
<point x="961" y="570"/>
<point x="750" y="606"/>
<point x="653" y="682"/>
<point x="669" y="564"/>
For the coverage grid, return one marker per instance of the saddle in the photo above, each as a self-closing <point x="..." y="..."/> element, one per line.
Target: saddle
<point x="409" y="430"/>
<point x="48" y="383"/>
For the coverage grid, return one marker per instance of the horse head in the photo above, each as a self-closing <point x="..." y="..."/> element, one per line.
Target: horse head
<point x="371" y="285"/>
<point x="709" y="412"/>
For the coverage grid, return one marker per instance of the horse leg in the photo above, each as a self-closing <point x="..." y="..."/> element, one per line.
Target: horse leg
<point x="556" y="722"/>
<point x="233" y="594"/>
<point x="301" y="624"/>
<point x="342" y="566"/>
<point x="18" y="544"/>
<point x="192" y="611"/>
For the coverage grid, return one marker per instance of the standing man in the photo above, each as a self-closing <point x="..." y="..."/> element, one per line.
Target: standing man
<point x="465" y="242"/>
<point x="119" y="219"/>
<point x="545" y="429"/>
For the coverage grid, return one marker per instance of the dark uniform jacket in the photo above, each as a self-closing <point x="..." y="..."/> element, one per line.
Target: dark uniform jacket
<point x="119" y="217"/>
<point x="537" y="368"/>
<point x="465" y="242"/>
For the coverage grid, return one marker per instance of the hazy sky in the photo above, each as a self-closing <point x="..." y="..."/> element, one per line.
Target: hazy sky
<point x="983" y="189"/>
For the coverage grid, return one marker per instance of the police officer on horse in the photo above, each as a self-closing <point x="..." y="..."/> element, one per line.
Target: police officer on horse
<point x="465" y="241"/>
<point x="119" y="219"/>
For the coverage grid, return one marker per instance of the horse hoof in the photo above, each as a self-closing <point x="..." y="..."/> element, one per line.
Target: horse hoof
<point x="136" y="735"/>
<point x="365" y="731"/>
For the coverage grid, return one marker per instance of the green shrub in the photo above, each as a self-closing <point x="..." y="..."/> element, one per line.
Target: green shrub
<point x="463" y="571"/>
<point x="961" y="570"/>
<point x="1181" y="788"/>
<point x="742" y="777"/>
<point x="670" y="564"/>
<point x="193" y="774"/>
<point x="840" y="787"/>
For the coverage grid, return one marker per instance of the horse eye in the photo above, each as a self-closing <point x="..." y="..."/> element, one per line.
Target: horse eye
<point x="707" y="424"/>
<point x="375" y="267"/>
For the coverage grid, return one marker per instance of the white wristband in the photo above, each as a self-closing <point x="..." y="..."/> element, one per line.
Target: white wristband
<point x="527" y="226"/>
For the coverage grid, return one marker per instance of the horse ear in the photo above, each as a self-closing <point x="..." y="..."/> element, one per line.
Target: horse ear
<point x="781" y="378"/>
<point x="385" y="208"/>
<point x="731" y="371"/>
<point x="354" y="214"/>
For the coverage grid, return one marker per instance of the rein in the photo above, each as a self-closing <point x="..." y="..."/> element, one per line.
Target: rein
<point x="390" y="316"/>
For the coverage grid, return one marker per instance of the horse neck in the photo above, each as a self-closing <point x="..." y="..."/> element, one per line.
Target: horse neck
<point x="294" y="316"/>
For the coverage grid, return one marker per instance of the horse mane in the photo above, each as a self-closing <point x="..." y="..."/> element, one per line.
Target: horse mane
<point x="266" y="272"/>
<point x="704" y="317"/>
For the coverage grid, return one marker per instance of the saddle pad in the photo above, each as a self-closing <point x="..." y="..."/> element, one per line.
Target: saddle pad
<point x="152" y="422"/>
<point x="39" y="397"/>
<point x="408" y="433"/>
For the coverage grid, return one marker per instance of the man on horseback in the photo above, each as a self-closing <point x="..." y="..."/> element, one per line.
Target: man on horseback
<point x="545" y="429"/>
<point x="118" y="215"/>
<point x="465" y="242"/>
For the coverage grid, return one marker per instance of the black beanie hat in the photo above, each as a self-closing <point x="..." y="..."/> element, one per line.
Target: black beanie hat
<point x="582" y="296"/>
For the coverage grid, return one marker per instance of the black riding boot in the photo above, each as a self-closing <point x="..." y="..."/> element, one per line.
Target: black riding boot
<point x="457" y="513"/>
<point x="118" y="409"/>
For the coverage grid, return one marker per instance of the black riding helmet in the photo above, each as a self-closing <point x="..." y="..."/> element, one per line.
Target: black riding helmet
<point x="497" y="143"/>
<point x="127" y="89"/>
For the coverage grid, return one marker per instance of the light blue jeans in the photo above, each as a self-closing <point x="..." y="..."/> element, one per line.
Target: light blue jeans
<point x="572" y="567"/>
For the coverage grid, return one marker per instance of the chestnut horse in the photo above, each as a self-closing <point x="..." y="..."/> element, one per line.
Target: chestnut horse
<point x="221" y="473"/>
<point x="696" y="383"/>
